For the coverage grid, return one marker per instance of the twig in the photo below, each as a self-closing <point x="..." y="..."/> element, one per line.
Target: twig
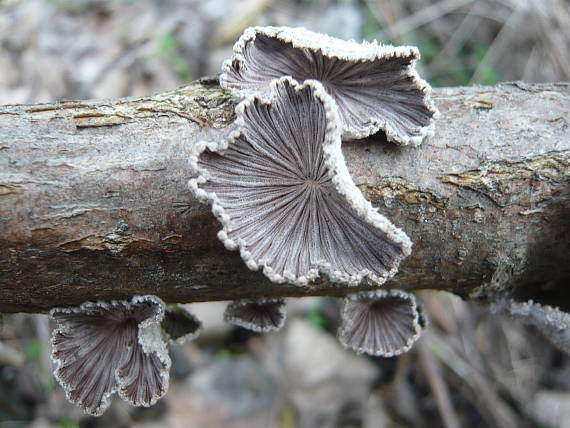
<point x="497" y="413"/>
<point x="432" y="370"/>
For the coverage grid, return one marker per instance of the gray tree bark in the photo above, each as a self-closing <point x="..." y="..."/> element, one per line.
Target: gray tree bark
<point x="94" y="202"/>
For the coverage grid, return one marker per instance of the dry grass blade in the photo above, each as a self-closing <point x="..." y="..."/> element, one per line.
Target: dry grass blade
<point x="534" y="61"/>
<point x="425" y="16"/>
<point x="499" y="45"/>
<point x="461" y="34"/>
<point x="555" y="28"/>
<point x="385" y="14"/>
<point x="437" y="384"/>
<point x="457" y="352"/>
<point x="492" y="407"/>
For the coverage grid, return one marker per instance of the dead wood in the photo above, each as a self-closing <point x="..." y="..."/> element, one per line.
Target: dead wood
<point x="94" y="202"/>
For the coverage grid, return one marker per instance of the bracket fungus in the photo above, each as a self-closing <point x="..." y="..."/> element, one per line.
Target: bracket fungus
<point x="259" y="315"/>
<point x="380" y="322"/>
<point x="281" y="189"/>
<point x="179" y="325"/>
<point x="100" y="348"/>
<point x="376" y="87"/>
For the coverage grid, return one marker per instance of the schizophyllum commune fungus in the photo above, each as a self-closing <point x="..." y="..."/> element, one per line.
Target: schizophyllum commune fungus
<point x="380" y="322"/>
<point x="105" y="347"/>
<point x="552" y="322"/>
<point x="281" y="189"/>
<point x="100" y="348"/>
<point x="376" y="87"/>
<point x="260" y="315"/>
<point x="179" y="325"/>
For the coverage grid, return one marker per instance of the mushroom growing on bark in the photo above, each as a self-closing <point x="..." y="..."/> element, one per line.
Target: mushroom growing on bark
<point x="179" y="325"/>
<point x="380" y="322"/>
<point x="552" y="322"/>
<point x="376" y="87"/>
<point x="260" y="315"/>
<point x="281" y="189"/>
<point x="100" y="348"/>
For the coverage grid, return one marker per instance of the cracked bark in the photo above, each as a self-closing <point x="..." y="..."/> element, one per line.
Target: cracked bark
<point x="94" y="203"/>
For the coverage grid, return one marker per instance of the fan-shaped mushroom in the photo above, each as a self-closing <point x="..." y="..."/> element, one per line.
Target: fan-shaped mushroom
<point x="280" y="187"/>
<point x="260" y="315"/>
<point x="100" y="348"/>
<point x="376" y="87"/>
<point x="380" y="322"/>
<point x="179" y="325"/>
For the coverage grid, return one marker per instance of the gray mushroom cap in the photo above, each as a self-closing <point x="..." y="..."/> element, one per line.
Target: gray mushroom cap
<point x="376" y="87"/>
<point x="380" y="323"/>
<point x="100" y="348"/>
<point x="261" y="315"/>
<point x="280" y="187"/>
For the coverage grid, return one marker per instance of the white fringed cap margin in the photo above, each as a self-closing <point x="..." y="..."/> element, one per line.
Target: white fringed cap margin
<point x="287" y="145"/>
<point x="382" y="323"/>
<point x="261" y="315"/>
<point x="552" y="322"/>
<point x="376" y="87"/>
<point x="121" y="342"/>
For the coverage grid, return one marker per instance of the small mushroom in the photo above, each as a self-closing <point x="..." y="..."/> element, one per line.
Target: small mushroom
<point x="552" y="322"/>
<point x="260" y="315"/>
<point x="380" y="323"/>
<point x="376" y="87"/>
<point x="280" y="187"/>
<point x="179" y="325"/>
<point x="100" y="348"/>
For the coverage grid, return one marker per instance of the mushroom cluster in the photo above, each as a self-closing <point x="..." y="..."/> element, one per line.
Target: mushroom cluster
<point x="100" y="348"/>
<point x="280" y="187"/>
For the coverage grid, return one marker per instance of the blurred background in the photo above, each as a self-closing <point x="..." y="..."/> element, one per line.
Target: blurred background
<point x="468" y="370"/>
<point x="75" y="49"/>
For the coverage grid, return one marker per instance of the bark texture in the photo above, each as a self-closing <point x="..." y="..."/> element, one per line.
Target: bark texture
<point x="94" y="202"/>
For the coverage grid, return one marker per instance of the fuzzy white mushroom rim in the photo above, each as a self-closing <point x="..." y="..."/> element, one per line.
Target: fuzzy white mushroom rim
<point x="261" y="315"/>
<point x="380" y="322"/>
<point x="280" y="187"/>
<point x="100" y="348"/>
<point x="376" y="87"/>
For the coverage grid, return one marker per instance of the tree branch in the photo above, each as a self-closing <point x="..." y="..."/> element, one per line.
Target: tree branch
<point x="94" y="202"/>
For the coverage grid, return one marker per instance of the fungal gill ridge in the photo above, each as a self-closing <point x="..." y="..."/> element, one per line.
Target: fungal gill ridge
<point x="380" y="322"/>
<point x="260" y="315"/>
<point x="376" y="87"/>
<point x="103" y="348"/>
<point x="280" y="187"/>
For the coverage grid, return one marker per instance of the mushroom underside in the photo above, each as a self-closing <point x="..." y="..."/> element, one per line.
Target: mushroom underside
<point x="260" y="315"/>
<point x="380" y="91"/>
<point x="380" y="323"/>
<point x="280" y="188"/>
<point x="105" y="347"/>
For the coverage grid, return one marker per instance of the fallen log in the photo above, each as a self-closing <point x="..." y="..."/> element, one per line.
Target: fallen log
<point x="94" y="201"/>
